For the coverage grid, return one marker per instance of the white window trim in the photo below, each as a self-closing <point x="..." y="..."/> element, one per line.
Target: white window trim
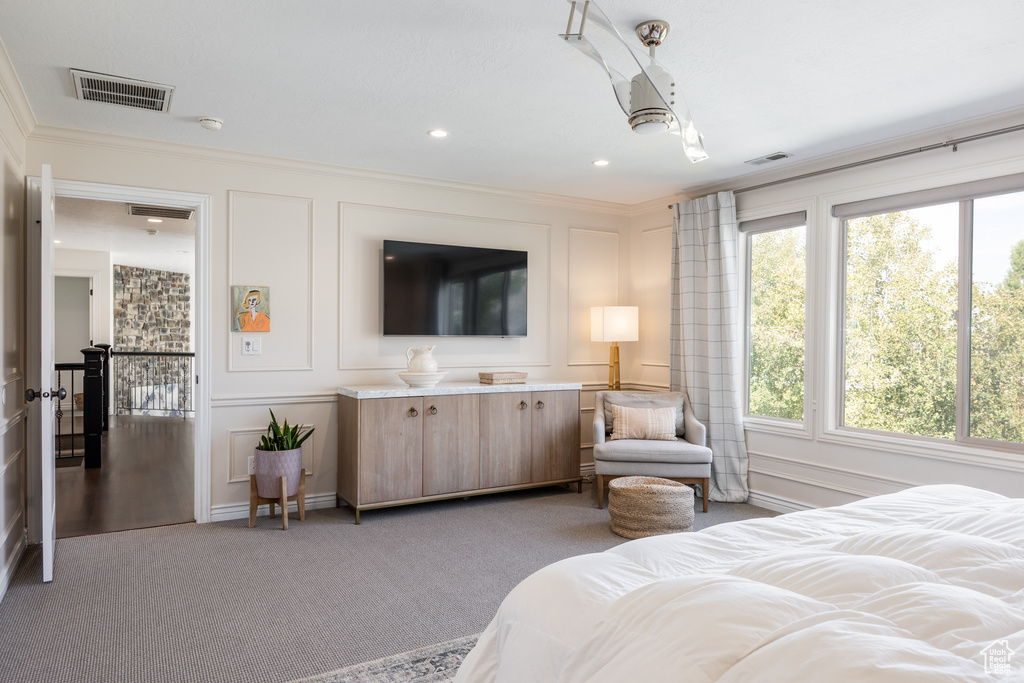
<point x="962" y="449"/>
<point x="763" y="423"/>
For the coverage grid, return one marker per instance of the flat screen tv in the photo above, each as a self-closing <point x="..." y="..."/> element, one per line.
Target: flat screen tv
<point x="444" y="290"/>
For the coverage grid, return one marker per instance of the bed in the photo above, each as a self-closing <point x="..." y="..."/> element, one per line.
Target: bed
<point x="922" y="585"/>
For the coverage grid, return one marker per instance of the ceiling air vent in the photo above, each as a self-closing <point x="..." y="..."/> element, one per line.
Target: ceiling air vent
<point x="159" y="212"/>
<point x="126" y="92"/>
<point x="768" y="158"/>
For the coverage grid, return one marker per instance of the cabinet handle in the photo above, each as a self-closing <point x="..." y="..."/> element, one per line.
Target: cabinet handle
<point x="540" y="405"/>
<point x="433" y="410"/>
<point x="413" y="412"/>
<point x="522" y="405"/>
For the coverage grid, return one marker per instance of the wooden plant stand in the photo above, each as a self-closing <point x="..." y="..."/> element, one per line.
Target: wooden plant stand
<point x="255" y="500"/>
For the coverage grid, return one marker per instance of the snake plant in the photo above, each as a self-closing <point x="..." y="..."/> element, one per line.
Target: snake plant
<point x="282" y="437"/>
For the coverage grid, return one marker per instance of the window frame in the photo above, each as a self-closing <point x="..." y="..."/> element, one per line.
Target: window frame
<point x="749" y="228"/>
<point x="964" y="194"/>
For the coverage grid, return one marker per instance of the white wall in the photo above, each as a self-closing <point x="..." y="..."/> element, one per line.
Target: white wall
<point x="72" y="314"/>
<point x="95" y="265"/>
<point x="15" y="121"/>
<point x="312" y="232"/>
<point x="817" y="464"/>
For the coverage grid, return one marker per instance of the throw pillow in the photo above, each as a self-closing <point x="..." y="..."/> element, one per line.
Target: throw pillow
<point x="657" y="424"/>
<point x="660" y="399"/>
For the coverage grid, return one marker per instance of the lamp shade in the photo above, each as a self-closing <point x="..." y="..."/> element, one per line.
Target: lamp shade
<point x="614" y="323"/>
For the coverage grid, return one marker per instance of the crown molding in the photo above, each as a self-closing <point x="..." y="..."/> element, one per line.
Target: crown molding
<point x="85" y="138"/>
<point x="13" y="94"/>
<point x="853" y="155"/>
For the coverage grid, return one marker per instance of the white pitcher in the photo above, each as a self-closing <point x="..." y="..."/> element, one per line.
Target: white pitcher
<point x="420" y="359"/>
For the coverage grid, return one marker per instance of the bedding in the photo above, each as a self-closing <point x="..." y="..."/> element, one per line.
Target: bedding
<point x="922" y="585"/>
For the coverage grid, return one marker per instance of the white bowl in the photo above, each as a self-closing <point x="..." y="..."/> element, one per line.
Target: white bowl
<point x="421" y="379"/>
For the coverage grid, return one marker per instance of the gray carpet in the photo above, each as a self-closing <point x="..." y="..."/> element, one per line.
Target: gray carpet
<point x="222" y="602"/>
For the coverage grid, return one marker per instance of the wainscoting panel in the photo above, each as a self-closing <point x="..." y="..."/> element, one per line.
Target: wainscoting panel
<point x="593" y="281"/>
<point x="270" y="244"/>
<point x="363" y="228"/>
<point x="655" y="296"/>
<point x="12" y="490"/>
<point x="242" y="442"/>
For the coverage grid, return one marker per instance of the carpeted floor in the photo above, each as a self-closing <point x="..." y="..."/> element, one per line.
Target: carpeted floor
<point x="222" y="602"/>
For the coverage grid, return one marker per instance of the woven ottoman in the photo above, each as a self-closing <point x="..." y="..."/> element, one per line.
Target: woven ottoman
<point x="648" y="506"/>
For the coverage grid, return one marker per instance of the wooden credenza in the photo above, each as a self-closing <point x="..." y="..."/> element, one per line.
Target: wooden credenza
<point x="398" y="446"/>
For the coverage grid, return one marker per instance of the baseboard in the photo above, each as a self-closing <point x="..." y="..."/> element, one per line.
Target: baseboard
<point x="12" y="565"/>
<point x="587" y="471"/>
<point x="223" y="513"/>
<point x="776" y="503"/>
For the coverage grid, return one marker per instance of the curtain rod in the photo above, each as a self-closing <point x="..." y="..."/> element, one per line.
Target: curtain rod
<point x="885" y="157"/>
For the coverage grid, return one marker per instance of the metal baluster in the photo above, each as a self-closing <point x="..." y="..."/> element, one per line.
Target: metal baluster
<point x="59" y="414"/>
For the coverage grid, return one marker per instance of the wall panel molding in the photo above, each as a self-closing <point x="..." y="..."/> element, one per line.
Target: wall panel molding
<point x="361" y="345"/>
<point x="13" y="558"/>
<point x="655" y="295"/>
<point x="285" y="303"/>
<point x="867" y="478"/>
<point x="238" y="401"/>
<point x="593" y="268"/>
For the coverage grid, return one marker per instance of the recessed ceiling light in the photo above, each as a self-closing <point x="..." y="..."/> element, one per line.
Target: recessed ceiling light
<point x="155" y="220"/>
<point x="438" y="133"/>
<point x="56" y="241"/>
<point x="601" y="162"/>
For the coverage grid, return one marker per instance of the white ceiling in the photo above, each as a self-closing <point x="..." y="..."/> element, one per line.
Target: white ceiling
<point x="360" y="83"/>
<point x="107" y="226"/>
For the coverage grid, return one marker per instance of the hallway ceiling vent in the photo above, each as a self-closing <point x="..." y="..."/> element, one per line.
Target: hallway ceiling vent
<point x="126" y="92"/>
<point x="159" y="212"/>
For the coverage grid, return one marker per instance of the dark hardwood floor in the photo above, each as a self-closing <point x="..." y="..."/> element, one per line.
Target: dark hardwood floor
<point x="146" y="479"/>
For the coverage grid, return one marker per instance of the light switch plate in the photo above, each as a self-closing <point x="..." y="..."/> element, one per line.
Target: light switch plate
<point x="252" y="346"/>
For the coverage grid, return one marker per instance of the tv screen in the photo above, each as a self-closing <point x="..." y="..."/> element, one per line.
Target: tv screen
<point x="443" y="290"/>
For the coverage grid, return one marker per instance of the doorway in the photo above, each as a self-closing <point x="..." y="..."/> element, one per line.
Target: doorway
<point x="143" y="259"/>
<point x="194" y="488"/>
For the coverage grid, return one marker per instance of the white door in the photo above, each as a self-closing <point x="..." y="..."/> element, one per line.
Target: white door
<point x="40" y="367"/>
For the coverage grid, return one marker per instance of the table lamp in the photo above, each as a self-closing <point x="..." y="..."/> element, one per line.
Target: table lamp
<point x="614" y="324"/>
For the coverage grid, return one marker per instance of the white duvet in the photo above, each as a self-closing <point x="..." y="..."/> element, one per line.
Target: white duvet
<point x="923" y="585"/>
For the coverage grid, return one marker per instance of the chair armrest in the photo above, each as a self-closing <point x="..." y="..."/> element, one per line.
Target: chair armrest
<point x="693" y="432"/>
<point x="599" y="428"/>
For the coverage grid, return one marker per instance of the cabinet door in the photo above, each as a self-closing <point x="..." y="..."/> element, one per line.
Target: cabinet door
<point x="504" y="439"/>
<point x="390" y="449"/>
<point x="451" y="444"/>
<point x="556" y="435"/>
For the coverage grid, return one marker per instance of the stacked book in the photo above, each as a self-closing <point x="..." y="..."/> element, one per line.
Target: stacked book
<point x="502" y="377"/>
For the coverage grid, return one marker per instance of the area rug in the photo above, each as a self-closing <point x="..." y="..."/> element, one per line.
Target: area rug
<point x="426" y="665"/>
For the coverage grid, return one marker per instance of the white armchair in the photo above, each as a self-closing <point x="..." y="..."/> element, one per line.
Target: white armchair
<point x="686" y="460"/>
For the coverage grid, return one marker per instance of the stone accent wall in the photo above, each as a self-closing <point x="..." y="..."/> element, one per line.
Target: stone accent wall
<point x="151" y="310"/>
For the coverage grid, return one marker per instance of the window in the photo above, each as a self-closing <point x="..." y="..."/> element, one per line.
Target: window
<point x="777" y="278"/>
<point x="933" y="319"/>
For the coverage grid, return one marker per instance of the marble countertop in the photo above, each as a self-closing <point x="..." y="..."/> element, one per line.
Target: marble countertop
<point x="451" y="388"/>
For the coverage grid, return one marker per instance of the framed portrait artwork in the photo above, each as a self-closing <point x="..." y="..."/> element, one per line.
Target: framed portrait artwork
<point x="250" y="308"/>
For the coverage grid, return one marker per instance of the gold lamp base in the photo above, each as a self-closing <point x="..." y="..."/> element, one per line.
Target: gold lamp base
<point x="613" y="368"/>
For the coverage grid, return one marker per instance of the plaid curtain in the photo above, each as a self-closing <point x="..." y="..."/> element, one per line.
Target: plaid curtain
<point x="705" y="333"/>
